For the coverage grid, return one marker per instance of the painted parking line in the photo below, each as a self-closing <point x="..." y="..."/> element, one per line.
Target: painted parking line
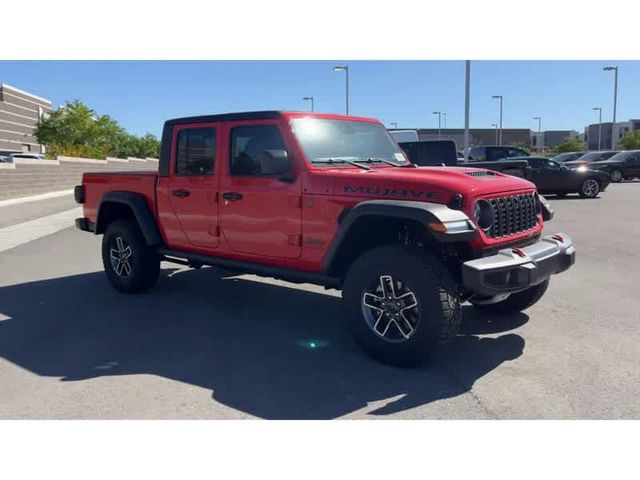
<point x="25" y="232"/>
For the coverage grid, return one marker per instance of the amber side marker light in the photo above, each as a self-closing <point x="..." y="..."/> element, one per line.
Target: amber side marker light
<point x="438" y="227"/>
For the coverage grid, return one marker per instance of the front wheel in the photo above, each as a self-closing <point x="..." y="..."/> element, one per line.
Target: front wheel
<point x="516" y="302"/>
<point x="402" y="304"/>
<point x="616" y="176"/>
<point x="589" y="188"/>
<point x="131" y="265"/>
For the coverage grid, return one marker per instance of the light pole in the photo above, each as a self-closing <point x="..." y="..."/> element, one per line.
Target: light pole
<point x="345" y="69"/>
<point x="467" y="96"/>
<point x="500" y="97"/>
<point x="444" y="122"/>
<point x="439" y="120"/>
<point x="496" y="127"/>
<point x="599" y="109"/>
<point x="539" y="133"/>
<point x="395" y="125"/>
<point x="615" y="99"/>
<point x="309" y="99"/>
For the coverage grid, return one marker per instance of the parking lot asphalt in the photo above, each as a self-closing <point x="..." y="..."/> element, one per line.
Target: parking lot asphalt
<point x="207" y="344"/>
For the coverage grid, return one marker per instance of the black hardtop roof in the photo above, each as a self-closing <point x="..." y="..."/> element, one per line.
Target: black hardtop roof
<point x="261" y="115"/>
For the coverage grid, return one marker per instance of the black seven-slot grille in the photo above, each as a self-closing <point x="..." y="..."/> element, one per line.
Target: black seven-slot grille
<point x="514" y="214"/>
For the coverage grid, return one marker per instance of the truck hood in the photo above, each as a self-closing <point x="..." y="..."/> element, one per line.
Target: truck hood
<point x="425" y="183"/>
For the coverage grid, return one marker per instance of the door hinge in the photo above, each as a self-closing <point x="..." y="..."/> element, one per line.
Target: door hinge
<point x="295" y="202"/>
<point x="295" y="240"/>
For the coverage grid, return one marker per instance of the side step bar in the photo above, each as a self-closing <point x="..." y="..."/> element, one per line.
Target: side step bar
<point x="294" y="276"/>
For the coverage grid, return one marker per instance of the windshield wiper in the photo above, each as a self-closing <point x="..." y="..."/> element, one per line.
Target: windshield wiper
<point x="340" y="160"/>
<point x="388" y="162"/>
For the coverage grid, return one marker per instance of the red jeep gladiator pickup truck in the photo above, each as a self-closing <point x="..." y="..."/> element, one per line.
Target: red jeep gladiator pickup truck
<point x="330" y="200"/>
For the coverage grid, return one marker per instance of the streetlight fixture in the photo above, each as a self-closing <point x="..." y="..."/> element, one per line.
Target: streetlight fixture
<point x="309" y="99"/>
<point x="599" y="109"/>
<point x="539" y="132"/>
<point x="345" y="69"/>
<point x="395" y="125"/>
<point x="500" y="97"/>
<point x="496" y="127"/>
<point x="439" y="120"/>
<point x="615" y="99"/>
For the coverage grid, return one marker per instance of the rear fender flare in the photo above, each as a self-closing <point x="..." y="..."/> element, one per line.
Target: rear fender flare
<point x="141" y="212"/>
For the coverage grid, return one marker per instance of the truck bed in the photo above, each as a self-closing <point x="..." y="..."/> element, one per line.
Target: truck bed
<point x="143" y="183"/>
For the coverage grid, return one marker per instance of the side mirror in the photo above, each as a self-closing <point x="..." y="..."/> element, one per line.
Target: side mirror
<point x="276" y="162"/>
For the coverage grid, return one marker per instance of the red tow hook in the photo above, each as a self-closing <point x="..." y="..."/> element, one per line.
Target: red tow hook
<point x="519" y="252"/>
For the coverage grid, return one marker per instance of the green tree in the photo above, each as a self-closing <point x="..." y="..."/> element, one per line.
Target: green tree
<point x="521" y="145"/>
<point x="77" y="131"/>
<point x="570" y="144"/>
<point x="630" y="140"/>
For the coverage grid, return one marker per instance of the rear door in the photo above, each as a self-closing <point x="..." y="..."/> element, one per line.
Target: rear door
<point x="260" y="213"/>
<point x="193" y="184"/>
<point x="632" y="165"/>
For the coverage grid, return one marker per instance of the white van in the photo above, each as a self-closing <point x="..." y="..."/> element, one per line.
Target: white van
<point x="404" y="135"/>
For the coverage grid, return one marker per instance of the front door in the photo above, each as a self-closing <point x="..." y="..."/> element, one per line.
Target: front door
<point x="193" y="186"/>
<point x="260" y="213"/>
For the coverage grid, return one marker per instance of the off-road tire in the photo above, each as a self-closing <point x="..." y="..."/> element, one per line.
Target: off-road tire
<point x="584" y="194"/>
<point x="516" y="302"/>
<point x="143" y="262"/>
<point x="436" y="292"/>
<point x="616" y="175"/>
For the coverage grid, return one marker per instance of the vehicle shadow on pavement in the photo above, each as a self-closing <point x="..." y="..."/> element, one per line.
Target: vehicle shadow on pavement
<point x="267" y="350"/>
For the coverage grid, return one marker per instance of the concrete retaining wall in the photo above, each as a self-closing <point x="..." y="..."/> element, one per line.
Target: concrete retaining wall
<point x="30" y="177"/>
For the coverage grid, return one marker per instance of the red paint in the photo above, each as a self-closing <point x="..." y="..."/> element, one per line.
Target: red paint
<point x="287" y="224"/>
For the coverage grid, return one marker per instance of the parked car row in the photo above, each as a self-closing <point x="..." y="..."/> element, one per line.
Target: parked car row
<point x="9" y="158"/>
<point x="585" y="173"/>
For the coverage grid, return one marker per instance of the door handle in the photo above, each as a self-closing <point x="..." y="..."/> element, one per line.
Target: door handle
<point x="232" y="196"/>
<point x="181" y="193"/>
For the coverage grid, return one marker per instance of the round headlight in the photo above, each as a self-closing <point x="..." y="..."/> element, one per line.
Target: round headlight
<point x="484" y="214"/>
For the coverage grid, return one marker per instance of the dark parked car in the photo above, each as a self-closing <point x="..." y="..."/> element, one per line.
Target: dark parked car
<point x="623" y="165"/>
<point x="589" y="157"/>
<point x="567" y="156"/>
<point x="428" y="153"/>
<point x="553" y="177"/>
<point x="491" y="153"/>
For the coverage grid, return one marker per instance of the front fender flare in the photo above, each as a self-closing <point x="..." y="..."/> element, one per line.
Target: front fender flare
<point x="420" y="212"/>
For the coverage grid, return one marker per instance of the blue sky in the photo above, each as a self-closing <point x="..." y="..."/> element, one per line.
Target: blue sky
<point x="142" y="94"/>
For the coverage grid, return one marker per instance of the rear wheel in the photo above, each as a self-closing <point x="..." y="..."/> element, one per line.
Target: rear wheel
<point x="516" y="302"/>
<point x="131" y="265"/>
<point x="589" y="188"/>
<point x="616" y="175"/>
<point x="402" y="304"/>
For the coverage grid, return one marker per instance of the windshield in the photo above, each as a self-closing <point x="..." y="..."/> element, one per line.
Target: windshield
<point x="593" y="156"/>
<point x="323" y="140"/>
<point x="622" y="155"/>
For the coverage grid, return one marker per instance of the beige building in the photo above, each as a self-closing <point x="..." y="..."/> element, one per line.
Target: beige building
<point x="19" y="114"/>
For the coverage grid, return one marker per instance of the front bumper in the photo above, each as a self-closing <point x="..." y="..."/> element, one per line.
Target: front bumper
<point x="515" y="269"/>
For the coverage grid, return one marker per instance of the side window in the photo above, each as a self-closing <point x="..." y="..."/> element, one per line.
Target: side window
<point x="477" y="154"/>
<point x="535" y="163"/>
<point x="249" y="146"/>
<point x="516" y="152"/>
<point x="498" y="153"/>
<point x="196" y="153"/>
